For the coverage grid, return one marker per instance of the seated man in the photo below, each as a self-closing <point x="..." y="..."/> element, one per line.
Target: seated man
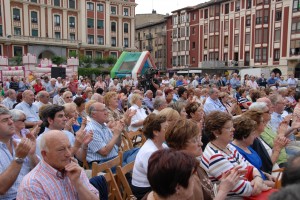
<point x="16" y="159"/>
<point x="57" y="176"/>
<point x="106" y="142"/>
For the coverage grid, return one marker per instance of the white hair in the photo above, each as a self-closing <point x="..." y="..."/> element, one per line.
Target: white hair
<point x="258" y="106"/>
<point x="16" y="114"/>
<point x="43" y="145"/>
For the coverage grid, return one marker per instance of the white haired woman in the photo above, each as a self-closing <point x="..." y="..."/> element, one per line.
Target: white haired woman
<point x="138" y="119"/>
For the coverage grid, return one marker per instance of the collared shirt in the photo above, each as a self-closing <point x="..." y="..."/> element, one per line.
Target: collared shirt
<point x="234" y="82"/>
<point x="8" y="102"/>
<point x="276" y="119"/>
<point x="50" y="88"/>
<point x="70" y="136"/>
<point x="43" y="183"/>
<point x="148" y="102"/>
<point x="102" y="136"/>
<point x="292" y="82"/>
<point x="31" y="111"/>
<point x="139" y="115"/>
<point x="213" y="105"/>
<point x="5" y="161"/>
<point x="40" y="104"/>
<point x="271" y="81"/>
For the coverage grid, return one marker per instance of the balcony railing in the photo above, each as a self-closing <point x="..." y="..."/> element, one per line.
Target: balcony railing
<point x="29" y="39"/>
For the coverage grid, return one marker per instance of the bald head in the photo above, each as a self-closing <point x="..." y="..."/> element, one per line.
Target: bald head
<point x="51" y="137"/>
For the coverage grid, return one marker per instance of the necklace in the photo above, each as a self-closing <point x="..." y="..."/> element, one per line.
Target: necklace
<point x="231" y="154"/>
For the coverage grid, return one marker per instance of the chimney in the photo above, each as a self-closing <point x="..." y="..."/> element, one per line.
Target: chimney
<point x="153" y="11"/>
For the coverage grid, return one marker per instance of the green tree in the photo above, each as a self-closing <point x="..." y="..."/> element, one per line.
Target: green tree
<point x="111" y="60"/>
<point x="58" y="60"/>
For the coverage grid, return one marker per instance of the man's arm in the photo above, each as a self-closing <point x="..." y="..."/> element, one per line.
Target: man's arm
<point x="116" y="140"/>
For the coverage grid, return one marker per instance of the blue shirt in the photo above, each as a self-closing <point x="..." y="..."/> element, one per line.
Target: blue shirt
<point x="179" y="83"/>
<point x="31" y="111"/>
<point x="253" y="158"/>
<point x="235" y="83"/>
<point x="5" y="161"/>
<point x="271" y="81"/>
<point x="102" y="136"/>
<point x="213" y="105"/>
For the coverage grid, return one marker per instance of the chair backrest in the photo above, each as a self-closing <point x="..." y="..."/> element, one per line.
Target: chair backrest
<point x="97" y="168"/>
<point x="135" y="138"/>
<point x="278" y="178"/>
<point x="124" y="186"/>
<point x="125" y="146"/>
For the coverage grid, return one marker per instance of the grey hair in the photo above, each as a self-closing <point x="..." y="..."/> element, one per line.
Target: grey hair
<point x="91" y="109"/>
<point x="158" y="101"/>
<point x="4" y="111"/>
<point x="43" y="145"/>
<point x="16" y="114"/>
<point x="41" y="94"/>
<point x="275" y="98"/>
<point x="10" y="91"/>
<point x="258" y="106"/>
<point x="96" y="97"/>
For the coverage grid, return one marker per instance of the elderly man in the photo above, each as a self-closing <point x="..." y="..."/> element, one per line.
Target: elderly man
<point x="159" y="104"/>
<point x="147" y="101"/>
<point x="127" y="81"/>
<point x="116" y="84"/>
<point x="31" y="110"/>
<point x="106" y="141"/>
<point x="212" y="102"/>
<point x="10" y="100"/>
<point x="234" y="81"/>
<point x="17" y="157"/>
<point x="43" y="98"/>
<point x="57" y="176"/>
<point x="78" y="93"/>
<point x="51" y="88"/>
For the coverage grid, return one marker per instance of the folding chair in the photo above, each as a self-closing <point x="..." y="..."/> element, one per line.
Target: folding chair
<point x="278" y="178"/>
<point x="135" y="138"/>
<point x="124" y="186"/>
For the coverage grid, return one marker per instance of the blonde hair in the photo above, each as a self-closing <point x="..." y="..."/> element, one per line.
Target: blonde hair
<point x="134" y="98"/>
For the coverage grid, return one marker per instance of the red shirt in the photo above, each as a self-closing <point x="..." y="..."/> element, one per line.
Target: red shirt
<point x="38" y="88"/>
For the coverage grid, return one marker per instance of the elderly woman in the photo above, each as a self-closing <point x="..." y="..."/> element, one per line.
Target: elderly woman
<point x="170" y="174"/>
<point x="71" y="114"/>
<point x="180" y="108"/>
<point x="220" y="156"/>
<point x="114" y="114"/>
<point x="171" y="115"/>
<point x="186" y="135"/>
<point x="246" y="131"/>
<point x="154" y="130"/>
<point x="80" y="108"/>
<point x="195" y="113"/>
<point x="138" y="118"/>
<point x="66" y="97"/>
<point x="228" y="103"/>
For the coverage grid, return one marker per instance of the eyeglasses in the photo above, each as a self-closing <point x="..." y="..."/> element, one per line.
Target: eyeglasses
<point x="69" y="97"/>
<point x="21" y="120"/>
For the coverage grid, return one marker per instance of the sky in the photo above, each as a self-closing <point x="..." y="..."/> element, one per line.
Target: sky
<point x="163" y="6"/>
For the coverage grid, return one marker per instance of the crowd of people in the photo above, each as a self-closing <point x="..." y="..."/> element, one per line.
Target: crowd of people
<point x="209" y="137"/>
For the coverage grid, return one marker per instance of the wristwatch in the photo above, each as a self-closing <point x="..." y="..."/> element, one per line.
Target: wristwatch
<point x="19" y="160"/>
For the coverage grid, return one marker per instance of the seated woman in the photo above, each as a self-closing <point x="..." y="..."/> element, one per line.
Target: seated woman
<point x="138" y="118"/>
<point x="154" y="130"/>
<point x="220" y="156"/>
<point x="186" y="135"/>
<point x="71" y="114"/>
<point x="229" y="104"/>
<point x="246" y="131"/>
<point x="170" y="174"/>
<point x="171" y="115"/>
<point x="242" y="100"/>
<point x="80" y="106"/>
<point x="180" y="108"/>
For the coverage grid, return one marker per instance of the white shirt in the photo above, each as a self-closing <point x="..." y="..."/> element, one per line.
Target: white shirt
<point x="139" y="115"/>
<point x="40" y="104"/>
<point x="8" y="103"/>
<point x="140" y="168"/>
<point x="252" y="84"/>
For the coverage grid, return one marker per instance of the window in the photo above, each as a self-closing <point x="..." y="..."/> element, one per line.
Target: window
<point x="18" y="51"/>
<point x="90" y="23"/>
<point x="296" y="5"/>
<point x="72" y="4"/>
<point x="205" y="29"/>
<point x="100" y="40"/>
<point x="211" y="26"/>
<point x="113" y="26"/>
<point x="100" y="8"/>
<point x="248" y="20"/>
<point x="1" y="31"/>
<point x="259" y="17"/>
<point x="227" y="8"/>
<point x="72" y="22"/>
<point x="265" y="35"/>
<point x="247" y="38"/>
<point x="217" y="8"/>
<point x="34" y="33"/>
<point x="126" y="42"/>
<point x="226" y="25"/>
<point x="113" y="41"/>
<point x="193" y="30"/>
<point x="126" y="12"/>
<point x="56" y="2"/>
<point x="236" y="40"/>
<point x="114" y="54"/>
<point x="99" y="54"/>
<point x="57" y="35"/>
<point x="247" y="58"/>
<point x="90" y="39"/>
<point x="56" y="20"/>
<point x="264" y="54"/>
<point x="16" y="14"/>
<point x="278" y="14"/>
<point x="237" y="6"/>
<point x="89" y="54"/>
<point x="266" y="16"/>
<point x="205" y="43"/>
<point x="17" y="31"/>
<point x="257" y="57"/>
<point x="72" y="36"/>
<point x="259" y="2"/>
<point x="277" y="35"/>
<point x="125" y="27"/>
<point x="249" y="4"/>
<point x="34" y="18"/>
<point x="33" y="1"/>
<point x="89" y="6"/>
<point x="113" y="10"/>
<point x="276" y="54"/>
<point x="205" y="13"/>
<point x="100" y="24"/>
<point x="226" y="41"/>
<point x="194" y="45"/>
<point x="258" y="36"/>
<point x="212" y="11"/>
<point x="260" y="54"/>
<point x="237" y="23"/>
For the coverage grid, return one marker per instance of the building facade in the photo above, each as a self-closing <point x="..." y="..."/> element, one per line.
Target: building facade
<point x="236" y="33"/>
<point x="151" y="36"/>
<point x="45" y="28"/>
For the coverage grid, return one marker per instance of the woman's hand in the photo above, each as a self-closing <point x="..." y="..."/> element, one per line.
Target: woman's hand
<point x="257" y="184"/>
<point x="229" y="179"/>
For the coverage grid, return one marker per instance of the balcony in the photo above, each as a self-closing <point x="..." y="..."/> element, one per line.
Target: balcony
<point x="149" y="36"/>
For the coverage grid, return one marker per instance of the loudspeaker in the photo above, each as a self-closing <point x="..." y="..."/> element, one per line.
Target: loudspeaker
<point x="58" y="72"/>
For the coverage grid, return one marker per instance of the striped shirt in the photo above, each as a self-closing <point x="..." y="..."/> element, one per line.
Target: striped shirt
<point x="102" y="136"/>
<point x="216" y="162"/>
<point x="43" y="183"/>
<point x="5" y="161"/>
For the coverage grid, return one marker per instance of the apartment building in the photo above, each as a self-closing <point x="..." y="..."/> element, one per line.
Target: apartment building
<point x="151" y="36"/>
<point x="236" y="34"/>
<point x="45" y="28"/>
